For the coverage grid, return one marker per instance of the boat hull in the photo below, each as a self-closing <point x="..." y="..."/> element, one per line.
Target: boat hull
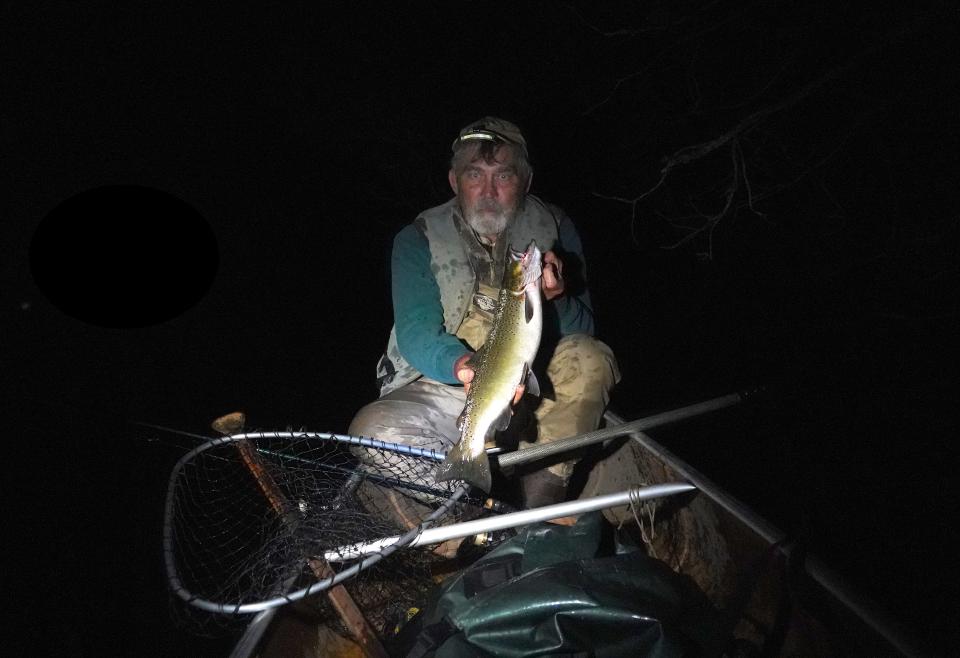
<point x="775" y="598"/>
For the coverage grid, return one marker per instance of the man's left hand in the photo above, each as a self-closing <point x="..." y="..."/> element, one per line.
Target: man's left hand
<point x="552" y="280"/>
<point x="465" y="374"/>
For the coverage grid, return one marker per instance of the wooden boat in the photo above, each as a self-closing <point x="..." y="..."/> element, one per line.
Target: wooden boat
<point x="777" y="600"/>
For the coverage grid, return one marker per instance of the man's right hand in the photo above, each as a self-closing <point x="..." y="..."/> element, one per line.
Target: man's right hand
<point x="464" y="373"/>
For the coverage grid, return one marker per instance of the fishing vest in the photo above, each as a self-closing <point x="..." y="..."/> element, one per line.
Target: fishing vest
<point x="460" y="263"/>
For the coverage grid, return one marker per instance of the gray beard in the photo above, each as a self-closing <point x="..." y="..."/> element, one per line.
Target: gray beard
<point x="487" y="223"/>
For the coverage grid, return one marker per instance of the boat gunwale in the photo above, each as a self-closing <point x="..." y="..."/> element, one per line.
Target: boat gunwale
<point x="862" y="606"/>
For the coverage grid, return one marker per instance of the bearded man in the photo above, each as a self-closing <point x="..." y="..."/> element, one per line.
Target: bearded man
<point x="447" y="268"/>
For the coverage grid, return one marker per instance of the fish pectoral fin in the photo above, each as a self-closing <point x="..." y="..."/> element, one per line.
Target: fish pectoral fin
<point x="474" y="360"/>
<point x="503" y="420"/>
<point x="527" y="307"/>
<point x="533" y="386"/>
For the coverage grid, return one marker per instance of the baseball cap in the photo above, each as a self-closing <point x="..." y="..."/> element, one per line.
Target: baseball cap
<point x="492" y="129"/>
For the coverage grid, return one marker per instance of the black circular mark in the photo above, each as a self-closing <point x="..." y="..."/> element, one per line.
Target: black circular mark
<point x="124" y="256"/>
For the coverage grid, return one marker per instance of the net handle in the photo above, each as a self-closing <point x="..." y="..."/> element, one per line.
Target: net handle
<point x="344" y="605"/>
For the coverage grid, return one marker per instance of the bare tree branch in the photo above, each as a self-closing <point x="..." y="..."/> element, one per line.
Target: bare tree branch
<point x="743" y="165"/>
<point x="711" y="222"/>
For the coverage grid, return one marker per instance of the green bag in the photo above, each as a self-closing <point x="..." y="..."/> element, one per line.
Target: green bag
<point x="546" y="592"/>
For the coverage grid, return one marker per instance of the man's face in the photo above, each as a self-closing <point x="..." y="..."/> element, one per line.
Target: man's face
<point x="489" y="192"/>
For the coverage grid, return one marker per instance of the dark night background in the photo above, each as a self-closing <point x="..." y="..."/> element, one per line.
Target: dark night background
<point x="803" y="236"/>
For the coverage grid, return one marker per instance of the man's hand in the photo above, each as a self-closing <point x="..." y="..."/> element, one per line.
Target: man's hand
<point x="552" y="280"/>
<point x="464" y="373"/>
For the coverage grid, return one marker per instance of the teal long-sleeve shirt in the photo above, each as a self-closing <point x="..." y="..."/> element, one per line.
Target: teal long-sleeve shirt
<point x="418" y="315"/>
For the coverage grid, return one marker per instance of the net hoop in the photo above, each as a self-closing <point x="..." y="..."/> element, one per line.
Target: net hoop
<point x="173" y="576"/>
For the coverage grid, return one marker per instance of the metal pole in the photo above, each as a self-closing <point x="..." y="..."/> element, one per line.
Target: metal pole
<point x="252" y="635"/>
<point x="582" y="440"/>
<point x="514" y="519"/>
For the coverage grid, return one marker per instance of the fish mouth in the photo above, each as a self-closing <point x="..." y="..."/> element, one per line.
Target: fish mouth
<point x="528" y="256"/>
<point x="531" y="257"/>
<point x="525" y="268"/>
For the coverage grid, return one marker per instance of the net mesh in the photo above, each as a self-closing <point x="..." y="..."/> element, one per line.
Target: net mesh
<point x="247" y="516"/>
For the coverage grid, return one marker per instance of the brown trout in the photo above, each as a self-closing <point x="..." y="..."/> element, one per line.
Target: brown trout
<point x="501" y="364"/>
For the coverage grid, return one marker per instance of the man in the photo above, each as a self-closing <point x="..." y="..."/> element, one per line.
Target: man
<point x="447" y="268"/>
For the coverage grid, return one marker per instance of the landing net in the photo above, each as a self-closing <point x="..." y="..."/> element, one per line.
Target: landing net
<point x="247" y="516"/>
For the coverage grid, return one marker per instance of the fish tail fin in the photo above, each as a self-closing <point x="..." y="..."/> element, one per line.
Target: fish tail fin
<point x="459" y="466"/>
